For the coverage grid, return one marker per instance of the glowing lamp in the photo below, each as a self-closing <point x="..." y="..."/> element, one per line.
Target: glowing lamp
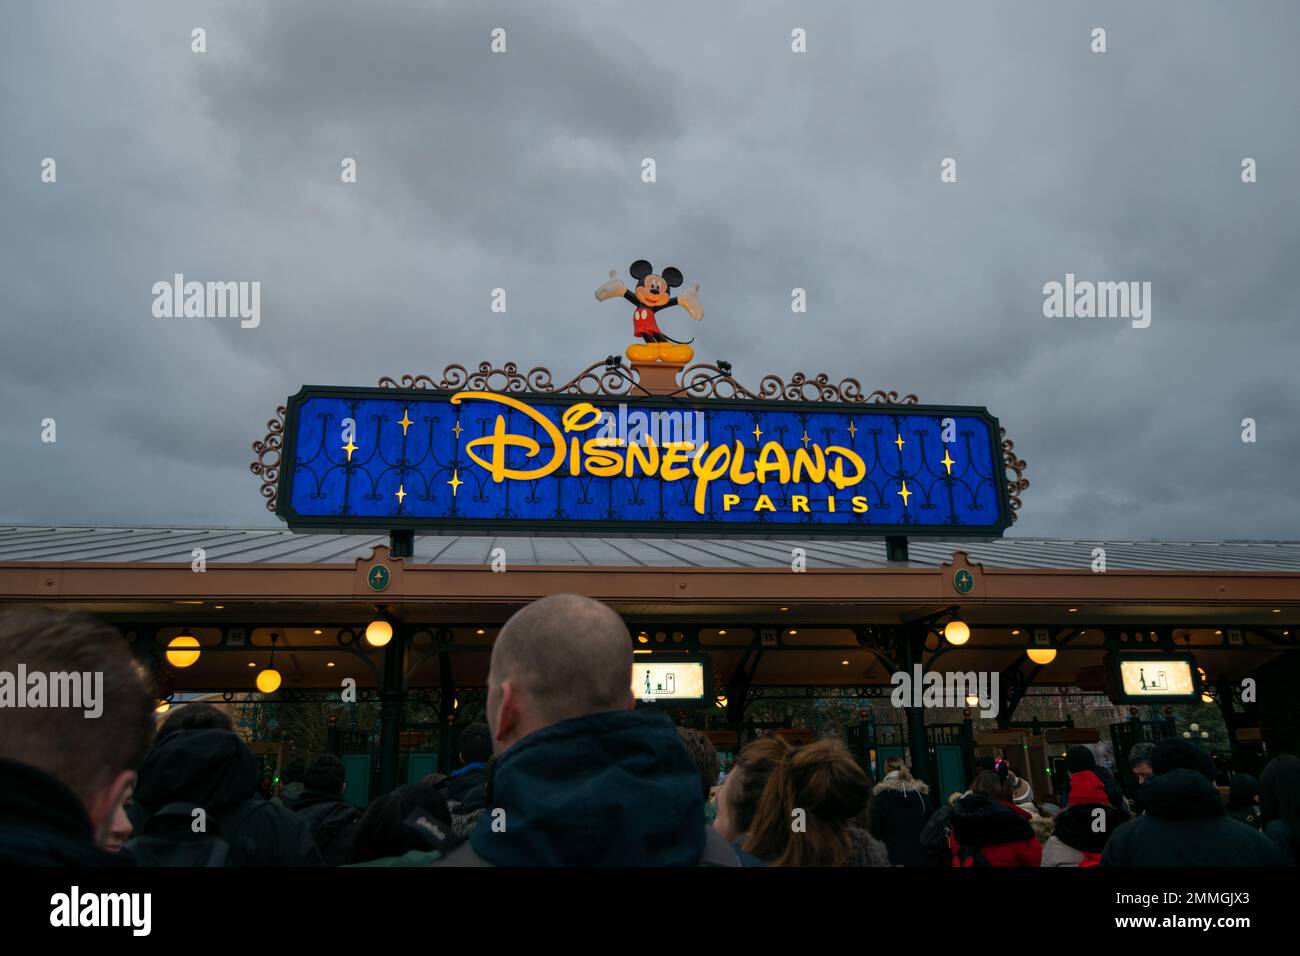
<point x="956" y="632"/>
<point x="183" y="650"/>
<point x="1041" y="655"/>
<point x="379" y="632"/>
<point x="268" y="681"/>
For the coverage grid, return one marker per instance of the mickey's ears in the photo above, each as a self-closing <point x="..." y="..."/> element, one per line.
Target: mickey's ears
<point x="640" y="269"/>
<point x="673" y="277"/>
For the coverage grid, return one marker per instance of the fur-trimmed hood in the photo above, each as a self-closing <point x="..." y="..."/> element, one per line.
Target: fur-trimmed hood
<point x="901" y="786"/>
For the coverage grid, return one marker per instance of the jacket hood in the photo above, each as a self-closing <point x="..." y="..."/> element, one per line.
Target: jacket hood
<point x="905" y="787"/>
<point x="1075" y="825"/>
<point x="610" y="789"/>
<point x="322" y="807"/>
<point x="210" y="768"/>
<point x="978" y="820"/>
<point x="1086" y="787"/>
<point x="1181" y="795"/>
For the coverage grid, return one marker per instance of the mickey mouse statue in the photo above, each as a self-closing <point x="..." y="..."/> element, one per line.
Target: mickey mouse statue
<point x="649" y="296"/>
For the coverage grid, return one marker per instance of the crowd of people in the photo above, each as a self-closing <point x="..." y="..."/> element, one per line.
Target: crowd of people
<point x="568" y="771"/>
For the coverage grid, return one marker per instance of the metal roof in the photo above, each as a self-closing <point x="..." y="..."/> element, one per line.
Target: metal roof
<point x="272" y="545"/>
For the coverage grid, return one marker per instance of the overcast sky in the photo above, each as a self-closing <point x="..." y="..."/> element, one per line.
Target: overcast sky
<point x="775" y="170"/>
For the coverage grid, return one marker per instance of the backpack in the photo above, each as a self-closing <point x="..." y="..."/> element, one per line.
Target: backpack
<point x="168" y="838"/>
<point x="934" y="837"/>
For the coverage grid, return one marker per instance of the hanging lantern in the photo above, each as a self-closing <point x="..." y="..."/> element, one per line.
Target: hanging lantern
<point x="268" y="680"/>
<point x="956" y="632"/>
<point x="183" y="649"/>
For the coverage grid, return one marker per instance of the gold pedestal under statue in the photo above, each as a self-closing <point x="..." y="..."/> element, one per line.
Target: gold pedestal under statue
<point x="658" y="364"/>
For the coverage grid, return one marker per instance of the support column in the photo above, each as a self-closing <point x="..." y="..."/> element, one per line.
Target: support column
<point x="446" y="715"/>
<point x="392" y="696"/>
<point x="912" y="654"/>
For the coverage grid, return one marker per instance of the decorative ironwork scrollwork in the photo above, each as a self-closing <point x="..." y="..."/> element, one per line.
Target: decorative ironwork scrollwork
<point x="599" y="378"/>
<point x="268" y="451"/>
<point x="1013" y="463"/>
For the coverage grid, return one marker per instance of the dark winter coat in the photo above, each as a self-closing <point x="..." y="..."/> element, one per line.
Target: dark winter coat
<point x="215" y="770"/>
<point x="993" y="829"/>
<point x="608" y="789"/>
<point x="332" y="821"/>
<point x="1185" y="825"/>
<point x="1283" y="839"/>
<point x="896" y="815"/>
<point x="43" y="823"/>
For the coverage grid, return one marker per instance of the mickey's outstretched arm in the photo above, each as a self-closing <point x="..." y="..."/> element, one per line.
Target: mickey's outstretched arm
<point x="613" y="288"/>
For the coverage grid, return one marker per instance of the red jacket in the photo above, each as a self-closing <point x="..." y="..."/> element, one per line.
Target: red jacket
<point x="995" y="829"/>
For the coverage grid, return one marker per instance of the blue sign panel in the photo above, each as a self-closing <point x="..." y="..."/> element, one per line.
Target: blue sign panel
<point x="389" y="459"/>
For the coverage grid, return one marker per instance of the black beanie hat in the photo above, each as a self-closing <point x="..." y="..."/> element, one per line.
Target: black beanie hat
<point x="1079" y="758"/>
<point x="1175" y="754"/>
<point x="325" y="774"/>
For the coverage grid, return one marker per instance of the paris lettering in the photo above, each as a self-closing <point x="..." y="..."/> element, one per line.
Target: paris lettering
<point x="588" y="441"/>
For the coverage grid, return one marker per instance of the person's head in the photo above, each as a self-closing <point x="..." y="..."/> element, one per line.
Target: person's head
<point x="325" y="775"/>
<point x="741" y="791"/>
<point x="1176" y="754"/>
<point x="1079" y="758"/>
<point x="995" y="784"/>
<point x="293" y="771"/>
<point x="476" y="743"/>
<point x="1243" y="791"/>
<point x="820" y="784"/>
<point x="95" y="745"/>
<point x="1279" y="793"/>
<point x="1086" y="788"/>
<point x="386" y="829"/>
<point x="118" y="829"/>
<point x="560" y="657"/>
<point x="1139" y="761"/>
<point x="195" y="716"/>
<point x="896" y="769"/>
<point x="703" y="754"/>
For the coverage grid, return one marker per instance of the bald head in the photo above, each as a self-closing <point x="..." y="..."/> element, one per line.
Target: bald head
<point x="565" y="656"/>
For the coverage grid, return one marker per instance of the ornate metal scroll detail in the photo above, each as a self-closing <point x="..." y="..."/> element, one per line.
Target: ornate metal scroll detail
<point x="613" y="378"/>
<point x="268" y="451"/>
<point x="820" y="388"/>
<point x="486" y="378"/>
<point x="606" y="377"/>
<point x="716" y="381"/>
<point x="1012" y="463"/>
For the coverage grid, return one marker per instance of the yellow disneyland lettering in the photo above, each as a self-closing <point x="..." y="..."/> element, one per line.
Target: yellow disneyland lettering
<point x="606" y="456"/>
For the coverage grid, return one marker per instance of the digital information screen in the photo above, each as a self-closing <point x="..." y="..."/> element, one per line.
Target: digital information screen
<point x="1155" y="678"/>
<point x="681" y="682"/>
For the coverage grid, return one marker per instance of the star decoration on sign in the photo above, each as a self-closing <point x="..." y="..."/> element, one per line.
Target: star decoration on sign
<point x="350" y="448"/>
<point x="805" y="439"/>
<point x="401" y="494"/>
<point x="406" y="421"/>
<point x="853" y="429"/>
<point x="900" y="443"/>
<point x="455" y="482"/>
<point x="757" y="433"/>
<point x="457" y="430"/>
<point x="947" y="461"/>
<point x="905" y="494"/>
